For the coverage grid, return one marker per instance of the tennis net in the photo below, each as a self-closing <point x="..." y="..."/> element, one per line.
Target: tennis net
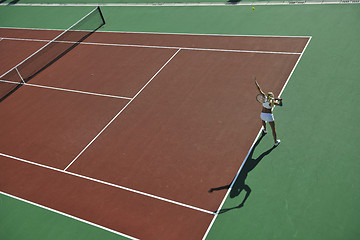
<point x="50" y="52"/>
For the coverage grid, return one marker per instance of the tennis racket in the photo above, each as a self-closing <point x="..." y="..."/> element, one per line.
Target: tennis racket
<point x="260" y="98"/>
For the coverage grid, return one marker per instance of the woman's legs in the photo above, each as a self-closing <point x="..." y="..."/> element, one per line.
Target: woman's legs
<point x="264" y="125"/>
<point x="272" y="125"/>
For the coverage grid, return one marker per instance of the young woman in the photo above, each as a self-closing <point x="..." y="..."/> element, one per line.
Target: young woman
<point x="266" y="113"/>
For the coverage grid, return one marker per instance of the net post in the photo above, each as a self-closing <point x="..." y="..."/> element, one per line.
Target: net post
<point x="101" y="15"/>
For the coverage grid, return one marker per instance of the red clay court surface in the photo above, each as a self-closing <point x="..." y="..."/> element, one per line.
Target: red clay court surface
<point x="141" y="164"/>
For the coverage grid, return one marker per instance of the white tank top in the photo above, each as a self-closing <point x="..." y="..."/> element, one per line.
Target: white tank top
<point x="266" y="104"/>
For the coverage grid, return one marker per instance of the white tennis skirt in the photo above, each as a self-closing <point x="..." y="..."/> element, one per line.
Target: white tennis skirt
<point x="267" y="117"/>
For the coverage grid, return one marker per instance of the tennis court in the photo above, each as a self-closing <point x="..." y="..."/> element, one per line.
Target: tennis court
<point x="128" y="131"/>
<point x="169" y="128"/>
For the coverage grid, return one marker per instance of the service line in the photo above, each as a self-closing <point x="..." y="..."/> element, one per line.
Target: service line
<point x="107" y="125"/>
<point x="66" y="90"/>
<point x="108" y="184"/>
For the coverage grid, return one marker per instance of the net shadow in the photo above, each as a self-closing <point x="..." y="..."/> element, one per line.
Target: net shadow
<point x="50" y="53"/>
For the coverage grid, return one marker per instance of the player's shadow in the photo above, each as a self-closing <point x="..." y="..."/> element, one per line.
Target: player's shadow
<point x="14" y="2"/>
<point x="233" y="1"/>
<point x="239" y="184"/>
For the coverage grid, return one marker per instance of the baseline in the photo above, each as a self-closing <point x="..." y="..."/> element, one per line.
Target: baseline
<point x="107" y="206"/>
<point x="153" y="46"/>
<point x="261" y="43"/>
<point x="68" y="215"/>
<point x="107" y="183"/>
<point x="160" y="33"/>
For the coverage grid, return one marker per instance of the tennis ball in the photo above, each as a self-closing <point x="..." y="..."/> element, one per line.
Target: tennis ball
<point x="253" y="8"/>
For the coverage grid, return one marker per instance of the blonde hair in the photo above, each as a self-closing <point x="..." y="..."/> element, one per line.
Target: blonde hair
<point x="270" y="98"/>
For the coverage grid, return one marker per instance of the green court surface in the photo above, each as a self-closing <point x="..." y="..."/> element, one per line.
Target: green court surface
<point x="107" y="1"/>
<point x="13" y="2"/>
<point x="308" y="187"/>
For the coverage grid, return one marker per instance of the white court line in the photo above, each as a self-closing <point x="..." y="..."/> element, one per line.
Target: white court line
<point x="234" y="179"/>
<point x="295" y="66"/>
<point x="67" y="215"/>
<point x="109" y="184"/>
<point x="48" y="43"/>
<point x="17" y="71"/>
<point x="160" y="47"/>
<point x="67" y="90"/>
<point x="200" y="4"/>
<point x="123" y="109"/>
<point x="167" y="33"/>
<point x="228" y="191"/>
<point x="257" y="136"/>
<point x="199" y="34"/>
<point x="189" y="48"/>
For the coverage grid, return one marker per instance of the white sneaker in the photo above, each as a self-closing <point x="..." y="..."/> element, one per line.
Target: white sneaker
<point x="277" y="143"/>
